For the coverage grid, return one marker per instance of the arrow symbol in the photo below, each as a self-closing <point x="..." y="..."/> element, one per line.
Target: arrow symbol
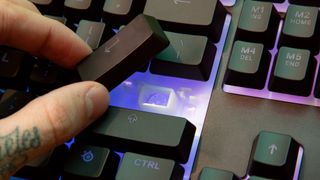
<point x="181" y="1"/>
<point x="273" y="148"/>
<point x="108" y="49"/>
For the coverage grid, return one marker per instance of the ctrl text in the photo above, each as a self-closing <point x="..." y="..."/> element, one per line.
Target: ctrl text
<point x="147" y="164"/>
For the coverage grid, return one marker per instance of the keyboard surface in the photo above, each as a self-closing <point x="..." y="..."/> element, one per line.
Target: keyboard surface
<point x="237" y="86"/>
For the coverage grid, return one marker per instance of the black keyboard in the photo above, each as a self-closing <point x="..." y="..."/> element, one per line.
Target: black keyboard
<point x="234" y="95"/>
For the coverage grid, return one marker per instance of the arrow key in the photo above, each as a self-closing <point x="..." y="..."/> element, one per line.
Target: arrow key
<point x="276" y="153"/>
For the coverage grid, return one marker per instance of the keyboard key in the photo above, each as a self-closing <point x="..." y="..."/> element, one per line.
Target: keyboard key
<point x="90" y="162"/>
<point x="12" y="101"/>
<point x="142" y="132"/>
<point x="301" y="28"/>
<point x="188" y="56"/>
<point x="274" y="156"/>
<point x="306" y="2"/>
<point x="176" y="16"/>
<point x="126" y="52"/>
<point x="49" y="7"/>
<point x="212" y="173"/>
<point x="121" y="12"/>
<point x="76" y="10"/>
<point x="91" y="32"/>
<point x="258" y="178"/>
<point x="13" y="68"/>
<point x="258" y="23"/>
<point x="136" y="166"/>
<point x="248" y="65"/>
<point x="293" y="72"/>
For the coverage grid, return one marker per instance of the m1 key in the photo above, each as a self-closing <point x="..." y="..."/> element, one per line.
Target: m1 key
<point x="124" y="53"/>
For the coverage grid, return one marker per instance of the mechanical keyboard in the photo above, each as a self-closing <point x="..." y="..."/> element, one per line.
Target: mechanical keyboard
<point x="234" y="95"/>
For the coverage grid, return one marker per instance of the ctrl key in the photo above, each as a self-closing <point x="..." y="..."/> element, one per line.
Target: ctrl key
<point x="85" y="162"/>
<point x="275" y="156"/>
<point x="136" y="166"/>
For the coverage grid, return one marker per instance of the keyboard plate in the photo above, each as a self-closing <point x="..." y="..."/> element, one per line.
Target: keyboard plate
<point x="233" y="121"/>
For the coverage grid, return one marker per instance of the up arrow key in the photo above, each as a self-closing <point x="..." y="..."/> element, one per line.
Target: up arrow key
<point x="273" y="148"/>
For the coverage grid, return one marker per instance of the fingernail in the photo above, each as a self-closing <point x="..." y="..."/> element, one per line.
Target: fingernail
<point x="97" y="101"/>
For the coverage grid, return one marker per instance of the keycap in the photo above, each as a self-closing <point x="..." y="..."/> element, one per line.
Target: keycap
<point x="12" y="101"/>
<point x="176" y="16"/>
<point x="258" y="23"/>
<point x="274" y="156"/>
<point x="258" y="178"/>
<point x="306" y="2"/>
<point x="91" y="32"/>
<point x="49" y="7"/>
<point x="76" y="10"/>
<point x="121" y="12"/>
<point x="13" y="68"/>
<point x="187" y="56"/>
<point x="208" y="173"/>
<point x="48" y="166"/>
<point x="142" y="132"/>
<point x="90" y="162"/>
<point x="124" y="53"/>
<point x="136" y="166"/>
<point x="293" y="72"/>
<point x="301" y="28"/>
<point x="317" y="86"/>
<point x="248" y="65"/>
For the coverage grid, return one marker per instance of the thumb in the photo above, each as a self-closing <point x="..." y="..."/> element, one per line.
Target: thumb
<point x="47" y="122"/>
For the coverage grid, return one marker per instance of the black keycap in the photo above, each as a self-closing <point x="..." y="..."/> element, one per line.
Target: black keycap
<point x="301" y="28"/>
<point x="124" y="53"/>
<point x="317" y="86"/>
<point x="85" y="162"/>
<point x="248" y="65"/>
<point x="208" y="173"/>
<point x="48" y="166"/>
<point x="137" y="166"/>
<point x="49" y="7"/>
<point x="188" y="56"/>
<point x="12" y="101"/>
<point x="121" y="12"/>
<point x="306" y="2"/>
<point x="142" y="132"/>
<point x="75" y="10"/>
<point x="13" y="68"/>
<point x="177" y="16"/>
<point x="258" y="23"/>
<point x="275" y="156"/>
<point x="293" y="72"/>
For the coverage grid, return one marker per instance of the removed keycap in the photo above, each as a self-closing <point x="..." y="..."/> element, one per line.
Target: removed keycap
<point x="124" y="53"/>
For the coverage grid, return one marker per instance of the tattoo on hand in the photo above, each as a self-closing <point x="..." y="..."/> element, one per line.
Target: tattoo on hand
<point x="13" y="148"/>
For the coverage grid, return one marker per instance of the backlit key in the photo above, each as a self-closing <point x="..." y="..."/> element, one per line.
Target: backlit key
<point x="293" y="72"/>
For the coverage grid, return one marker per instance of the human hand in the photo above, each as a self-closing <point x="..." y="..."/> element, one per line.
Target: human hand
<point x="54" y="118"/>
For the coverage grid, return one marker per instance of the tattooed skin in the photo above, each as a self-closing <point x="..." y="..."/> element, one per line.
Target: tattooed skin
<point x="14" y="147"/>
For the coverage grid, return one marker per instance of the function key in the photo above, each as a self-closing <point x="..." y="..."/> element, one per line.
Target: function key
<point x="142" y="132"/>
<point x="258" y="22"/>
<point x="212" y="173"/>
<point x="293" y="72"/>
<point x="301" y="28"/>
<point x="275" y="156"/>
<point x="248" y="65"/>
<point x="49" y="7"/>
<point x="176" y="16"/>
<point x="136" y="166"/>
<point x="306" y="2"/>
<point x="121" y="12"/>
<point x="90" y="162"/>
<point x="187" y="56"/>
<point x="76" y="10"/>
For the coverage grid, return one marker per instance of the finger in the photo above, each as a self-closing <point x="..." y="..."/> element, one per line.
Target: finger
<point x="41" y="36"/>
<point x="49" y="121"/>
<point x="26" y="4"/>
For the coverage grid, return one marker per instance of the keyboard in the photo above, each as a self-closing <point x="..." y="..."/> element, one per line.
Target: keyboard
<point x="236" y="92"/>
